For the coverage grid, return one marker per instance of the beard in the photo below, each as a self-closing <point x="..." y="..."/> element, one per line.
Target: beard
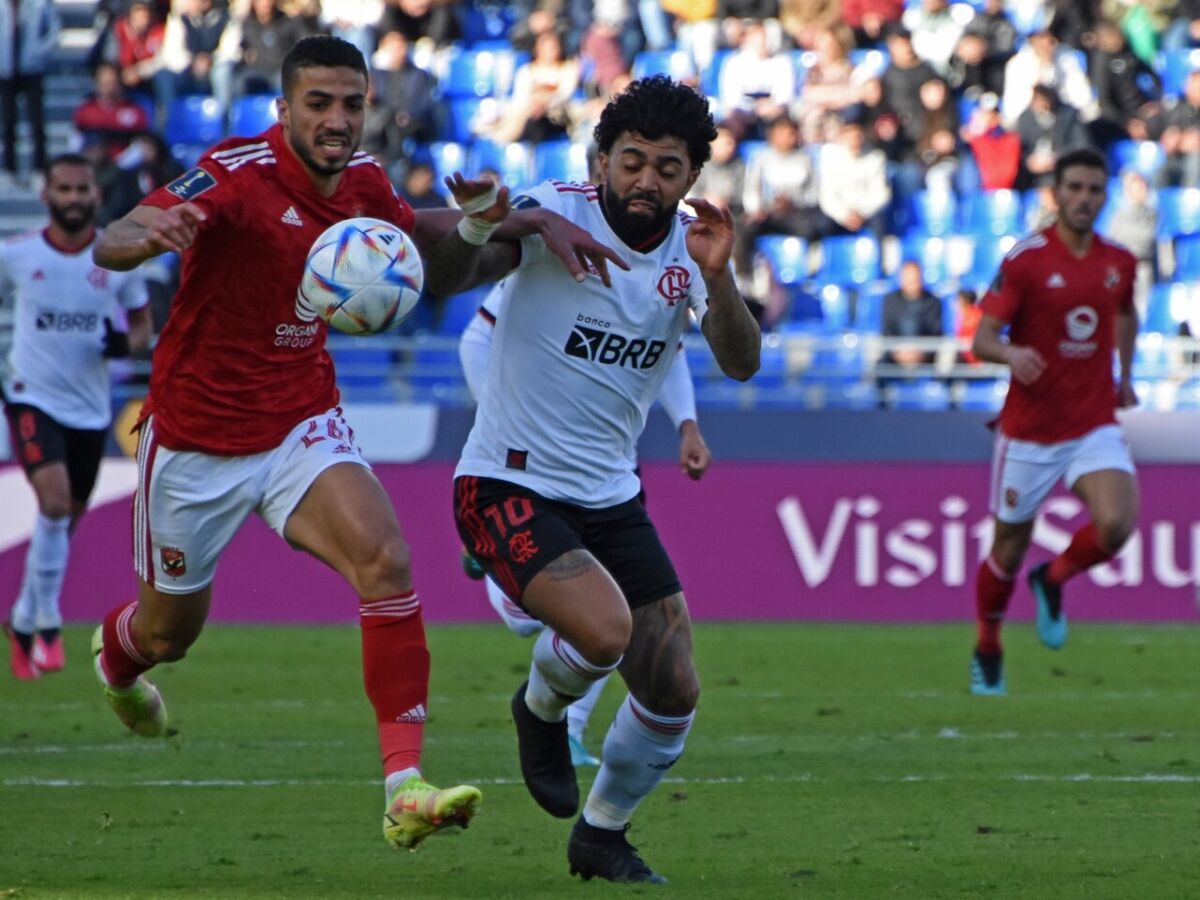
<point x="74" y="217"/>
<point x="322" y="168"/>
<point x="635" y="227"/>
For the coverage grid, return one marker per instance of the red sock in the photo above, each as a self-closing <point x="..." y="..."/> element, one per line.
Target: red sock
<point x="396" y="676"/>
<point x="1083" y="552"/>
<point x="993" y="588"/>
<point x="122" y="660"/>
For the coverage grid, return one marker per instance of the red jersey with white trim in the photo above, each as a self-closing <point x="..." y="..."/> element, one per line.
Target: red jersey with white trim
<point x="1065" y="307"/>
<point x="237" y="366"/>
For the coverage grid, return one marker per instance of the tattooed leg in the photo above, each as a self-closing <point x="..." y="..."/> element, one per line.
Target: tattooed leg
<point x="658" y="666"/>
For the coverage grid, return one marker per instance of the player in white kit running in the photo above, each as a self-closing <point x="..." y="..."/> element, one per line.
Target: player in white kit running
<point x="678" y="400"/>
<point x="69" y="320"/>
<point x="546" y="493"/>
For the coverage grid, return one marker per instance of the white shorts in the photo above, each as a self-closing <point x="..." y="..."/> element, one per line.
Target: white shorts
<point x="188" y="505"/>
<point x="1024" y="473"/>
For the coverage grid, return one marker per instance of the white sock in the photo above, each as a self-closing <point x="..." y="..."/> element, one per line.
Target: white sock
<point x="24" y="611"/>
<point x="558" y="677"/>
<point x="48" y="551"/>
<point x="580" y="711"/>
<point x="641" y="746"/>
<point x="393" y="781"/>
<point x="518" y="621"/>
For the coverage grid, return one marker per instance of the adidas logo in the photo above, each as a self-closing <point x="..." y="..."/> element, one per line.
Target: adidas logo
<point x="414" y="716"/>
<point x="291" y="217"/>
<point x="1056" y="281"/>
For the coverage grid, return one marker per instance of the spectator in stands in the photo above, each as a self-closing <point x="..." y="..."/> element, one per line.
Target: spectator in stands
<point x="870" y="20"/>
<point x="934" y="157"/>
<point x="267" y="34"/>
<point x="420" y="187"/>
<point x="1181" y="137"/>
<point x="968" y="314"/>
<point x="780" y="194"/>
<point x="146" y="166"/>
<point x="1134" y="224"/>
<point x="804" y="20"/>
<point x="432" y="19"/>
<point x="28" y="35"/>
<point x="696" y="28"/>
<point x="538" y="18"/>
<point x="987" y="44"/>
<point x="107" y="116"/>
<point x="722" y="181"/>
<point x="1047" y="128"/>
<point x="199" y="51"/>
<point x="995" y="149"/>
<point x="1184" y="30"/>
<point x="307" y="11"/>
<point x="353" y="21"/>
<point x="911" y="310"/>
<point x="139" y="38"/>
<point x="1044" y="211"/>
<point x="541" y="96"/>
<point x="402" y="100"/>
<point x="935" y="32"/>
<point x="601" y="54"/>
<point x="1068" y="20"/>
<point x="902" y="80"/>
<point x="880" y="122"/>
<point x="1043" y="61"/>
<point x="828" y="88"/>
<point x="854" y="193"/>
<point x="1126" y="88"/>
<point x="756" y="86"/>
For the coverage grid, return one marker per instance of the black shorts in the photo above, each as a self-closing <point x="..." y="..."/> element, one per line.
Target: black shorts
<point x="515" y="533"/>
<point x="38" y="439"/>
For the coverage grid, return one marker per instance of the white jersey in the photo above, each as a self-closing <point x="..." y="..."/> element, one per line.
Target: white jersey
<point x="576" y="366"/>
<point x="62" y="300"/>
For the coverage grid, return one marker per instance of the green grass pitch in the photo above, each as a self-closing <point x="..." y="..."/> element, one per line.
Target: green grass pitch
<point x="827" y="761"/>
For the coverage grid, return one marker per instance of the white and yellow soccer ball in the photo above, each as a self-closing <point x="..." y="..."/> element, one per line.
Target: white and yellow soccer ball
<point x="362" y="277"/>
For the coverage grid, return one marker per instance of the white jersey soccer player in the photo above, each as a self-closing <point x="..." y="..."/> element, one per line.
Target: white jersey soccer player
<point x="56" y="388"/>
<point x="546" y="492"/>
<point x="678" y="400"/>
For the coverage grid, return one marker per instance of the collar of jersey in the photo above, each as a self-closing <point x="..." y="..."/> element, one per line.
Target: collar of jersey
<point x="289" y="165"/>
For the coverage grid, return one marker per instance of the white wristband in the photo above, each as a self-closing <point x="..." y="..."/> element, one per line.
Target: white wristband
<point x="475" y="231"/>
<point x="533" y="247"/>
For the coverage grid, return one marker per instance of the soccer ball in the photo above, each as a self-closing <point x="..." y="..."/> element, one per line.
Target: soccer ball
<point x="362" y="276"/>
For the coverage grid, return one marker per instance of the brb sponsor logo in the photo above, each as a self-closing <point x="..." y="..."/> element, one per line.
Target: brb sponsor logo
<point x="609" y="348"/>
<point x="61" y="320"/>
<point x="288" y="334"/>
<point x="1081" y="325"/>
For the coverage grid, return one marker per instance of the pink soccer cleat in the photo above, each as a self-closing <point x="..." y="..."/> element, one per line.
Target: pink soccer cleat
<point x="48" y="655"/>
<point x="21" y="663"/>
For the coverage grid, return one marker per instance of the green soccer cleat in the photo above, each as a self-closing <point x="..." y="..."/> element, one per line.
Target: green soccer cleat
<point x="471" y="566"/>
<point x="139" y="706"/>
<point x="418" y="810"/>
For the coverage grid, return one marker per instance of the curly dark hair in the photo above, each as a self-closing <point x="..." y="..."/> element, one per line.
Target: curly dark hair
<point x="323" y="51"/>
<point x="658" y="107"/>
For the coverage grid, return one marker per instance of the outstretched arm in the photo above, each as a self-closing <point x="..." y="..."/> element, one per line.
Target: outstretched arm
<point x="146" y="232"/>
<point x="728" y="325"/>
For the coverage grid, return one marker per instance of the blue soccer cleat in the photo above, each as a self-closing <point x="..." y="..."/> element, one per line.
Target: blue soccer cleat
<point x="987" y="675"/>
<point x="1051" y="620"/>
<point x="580" y="755"/>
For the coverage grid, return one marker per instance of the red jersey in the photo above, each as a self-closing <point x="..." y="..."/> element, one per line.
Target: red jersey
<point x="236" y="368"/>
<point x="1065" y="308"/>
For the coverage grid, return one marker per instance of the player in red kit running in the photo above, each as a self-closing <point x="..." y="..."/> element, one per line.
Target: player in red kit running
<point x="1066" y="296"/>
<point x="243" y="414"/>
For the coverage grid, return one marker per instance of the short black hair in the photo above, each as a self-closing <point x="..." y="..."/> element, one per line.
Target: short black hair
<point x="657" y="107"/>
<point x="68" y="159"/>
<point x="320" y="51"/>
<point x="1084" y="156"/>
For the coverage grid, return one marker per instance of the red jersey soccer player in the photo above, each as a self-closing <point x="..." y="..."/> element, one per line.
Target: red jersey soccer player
<point x="1066" y="295"/>
<point x="243" y="410"/>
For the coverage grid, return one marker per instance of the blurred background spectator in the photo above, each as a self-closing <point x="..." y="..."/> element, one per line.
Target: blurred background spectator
<point x="1181" y="137"/>
<point x="828" y="87"/>
<point x="199" y="50"/>
<point x="138" y="36"/>
<point x="911" y="310"/>
<point x="28" y="35"/>
<point x="988" y="42"/>
<point x="403" y="101"/>
<point x="1043" y="60"/>
<point x="803" y="20"/>
<point x="723" y="179"/>
<point x="1133" y="222"/>
<point x="1127" y="89"/>
<point x="854" y="192"/>
<point x="996" y="150"/>
<point x="541" y="95"/>
<point x="106" y="116"/>
<point x="869" y="19"/>
<point x="935" y="32"/>
<point x="756" y="85"/>
<point x="266" y="33"/>
<point x="1047" y="128"/>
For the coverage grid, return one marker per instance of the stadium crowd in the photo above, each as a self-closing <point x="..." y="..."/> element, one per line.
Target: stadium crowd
<point x="854" y="135"/>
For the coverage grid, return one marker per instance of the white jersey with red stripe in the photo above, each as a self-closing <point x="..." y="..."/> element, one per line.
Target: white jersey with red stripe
<point x="576" y="366"/>
<point x="62" y="299"/>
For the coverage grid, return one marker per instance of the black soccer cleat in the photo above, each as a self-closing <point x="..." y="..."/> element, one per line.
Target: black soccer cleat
<point x="1051" y="620"/>
<point x="601" y="853"/>
<point x="545" y="752"/>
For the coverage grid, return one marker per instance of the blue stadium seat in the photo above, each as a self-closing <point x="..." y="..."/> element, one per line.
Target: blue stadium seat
<point x="840" y="360"/>
<point x="448" y="157"/>
<point x="457" y="311"/>
<point x="513" y="161"/>
<point x="870" y="61"/>
<point x="868" y="311"/>
<point x="479" y="73"/>
<point x="676" y="63"/>
<point x="802" y="61"/>
<point x="1168" y="306"/>
<point x="1175" y="66"/>
<point x="359" y="365"/>
<point x="252" y="114"/>
<point x="836" y="304"/>
<point x="992" y="212"/>
<point x="464" y="111"/>
<point x="986" y="255"/>
<point x="1187" y="258"/>
<point x="1151" y="359"/>
<point x="560" y="160"/>
<point x="1178" y="211"/>
<point x="855" y="395"/>
<point x="932" y="213"/>
<point x="710" y="78"/>
<point x="787" y="256"/>
<point x="1146" y="157"/>
<point x="1188" y="396"/>
<point x="849" y="259"/>
<point x="931" y="252"/>
<point x="747" y="150"/>
<point x="484" y="21"/>
<point x="194" y="119"/>
<point x="983" y="394"/>
<point x="929" y="394"/>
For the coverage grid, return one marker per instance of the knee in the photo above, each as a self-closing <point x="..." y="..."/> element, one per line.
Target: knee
<point x="604" y="645"/>
<point x="55" y="507"/>
<point x="678" y="699"/>
<point x="384" y="572"/>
